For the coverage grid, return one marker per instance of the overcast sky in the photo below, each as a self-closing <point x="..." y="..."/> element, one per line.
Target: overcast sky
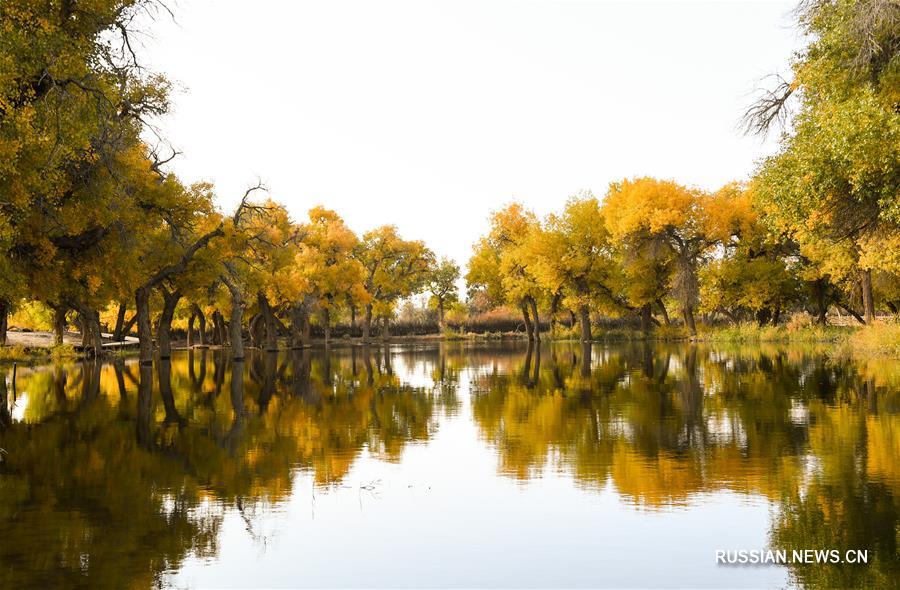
<point x="431" y="114"/>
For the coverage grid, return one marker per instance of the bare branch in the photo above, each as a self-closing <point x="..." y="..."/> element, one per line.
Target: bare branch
<point x="770" y="110"/>
<point x="157" y="163"/>
<point x="244" y="204"/>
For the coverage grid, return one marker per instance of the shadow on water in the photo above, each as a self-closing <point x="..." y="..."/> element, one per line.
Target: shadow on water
<point x="113" y="474"/>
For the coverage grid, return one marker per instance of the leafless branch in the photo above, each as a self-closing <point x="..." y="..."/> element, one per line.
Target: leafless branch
<point x="158" y="164"/>
<point x="245" y="204"/>
<point x="770" y="110"/>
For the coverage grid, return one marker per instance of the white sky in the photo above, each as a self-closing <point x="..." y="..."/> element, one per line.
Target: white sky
<point x="430" y="114"/>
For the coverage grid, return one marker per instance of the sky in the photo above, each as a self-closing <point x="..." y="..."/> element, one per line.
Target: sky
<point x="431" y="114"/>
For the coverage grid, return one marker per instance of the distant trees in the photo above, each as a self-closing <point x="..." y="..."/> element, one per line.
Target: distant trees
<point x="571" y="257"/>
<point x="393" y="268"/>
<point x="498" y="266"/>
<point x="654" y="243"/>
<point x="817" y="227"/>
<point x="442" y="287"/>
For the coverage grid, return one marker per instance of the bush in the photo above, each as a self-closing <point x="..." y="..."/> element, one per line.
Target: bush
<point x="799" y="321"/>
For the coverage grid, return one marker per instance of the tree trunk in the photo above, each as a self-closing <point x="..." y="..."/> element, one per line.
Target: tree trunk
<point x="536" y="334"/>
<point x="367" y="324"/>
<point x="326" y="324"/>
<point x="91" y="338"/>
<point x="271" y="343"/>
<point x="220" y="332"/>
<point x="201" y="329"/>
<point x="126" y="329"/>
<point x="164" y="329"/>
<point x="763" y="315"/>
<point x="868" y="300"/>
<point x="190" y="330"/>
<point x="296" y="339"/>
<point x="821" y="306"/>
<point x="646" y="315"/>
<point x="440" y="310"/>
<point x="214" y="335"/>
<point x="4" y="320"/>
<point x="689" y="322"/>
<point x="256" y="327"/>
<point x="237" y="320"/>
<point x="529" y="328"/>
<point x="59" y="324"/>
<point x="385" y="328"/>
<point x="554" y="309"/>
<point x="663" y="311"/>
<point x="145" y="331"/>
<point x="120" y="322"/>
<point x="584" y="313"/>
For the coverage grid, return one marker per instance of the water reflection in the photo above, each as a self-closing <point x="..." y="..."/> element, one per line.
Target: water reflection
<point x="819" y="437"/>
<point x="115" y="474"/>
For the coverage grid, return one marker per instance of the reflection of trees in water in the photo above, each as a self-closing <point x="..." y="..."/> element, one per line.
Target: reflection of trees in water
<point x="122" y="471"/>
<point x="664" y="424"/>
<point x="83" y="504"/>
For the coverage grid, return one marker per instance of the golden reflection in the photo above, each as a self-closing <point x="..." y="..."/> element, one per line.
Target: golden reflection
<point x="119" y="471"/>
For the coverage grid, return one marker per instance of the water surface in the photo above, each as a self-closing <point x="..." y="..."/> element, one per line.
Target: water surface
<point x="450" y="465"/>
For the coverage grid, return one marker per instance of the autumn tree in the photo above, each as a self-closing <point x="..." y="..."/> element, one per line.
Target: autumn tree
<point x="442" y="287"/>
<point x="394" y="268"/>
<point x="73" y="101"/>
<point x="837" y="175"/>
<point x="751" y="271"/>
<point x="498" y="266"/>
<point x="659" y="223"/>
<point x="255" y="237"/>
<point x="327" y="268"/>
<point x="572" y="254"/>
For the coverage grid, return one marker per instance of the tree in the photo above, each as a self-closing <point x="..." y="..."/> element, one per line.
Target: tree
<point x="659" y="224"/>
<point x="442" y="286"/>
<point x="254" y="236"/>
<point x="164" y="252"/>
<point x="750" y="272"/>
<point x="394" y="268"/>
<point x="498" y="265"/>
<point x="573" y="254"/>
<point x="326" y="265"/>
<point x="837" y="175"/>
<point x="73" y="102"/>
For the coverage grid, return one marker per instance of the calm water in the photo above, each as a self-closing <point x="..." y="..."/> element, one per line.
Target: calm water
<point x="450" y="465"/>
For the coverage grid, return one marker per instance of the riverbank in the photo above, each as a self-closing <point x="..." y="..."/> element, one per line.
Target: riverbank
<point x="879" y="340"/>
<point x="41" y="346"/>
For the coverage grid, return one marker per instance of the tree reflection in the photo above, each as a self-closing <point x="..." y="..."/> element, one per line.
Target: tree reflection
<point x="117" y="473"/>
<point x="818" y="437"/>
<point x="106" y="489"/>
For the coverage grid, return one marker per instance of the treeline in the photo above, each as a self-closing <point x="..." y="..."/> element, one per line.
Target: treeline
<point x="90" y="218"/>
<point x="817" y="226"/>
<point x="91" y="221"/>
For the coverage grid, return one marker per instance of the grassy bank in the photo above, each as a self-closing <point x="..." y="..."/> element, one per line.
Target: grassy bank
<point x="25" y="354"/>
<point x="875" y="340"/>
<point x="881" y="340"/>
